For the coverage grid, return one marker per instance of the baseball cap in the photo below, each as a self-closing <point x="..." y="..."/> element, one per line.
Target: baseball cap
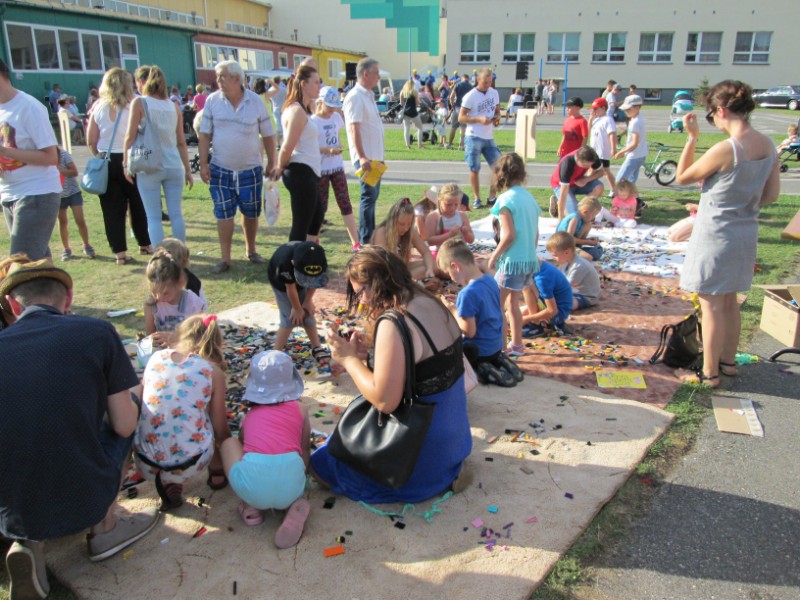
<point x="599" y="103"/>
<point x="310" y="265"/>
<point x="631" y="101"/>
<point x="575" y="101"/>
<point x="272" y="379"/>
<point x="330" y="97"/>
<point x="20" y="273"/>
<point x="616" y="87"/>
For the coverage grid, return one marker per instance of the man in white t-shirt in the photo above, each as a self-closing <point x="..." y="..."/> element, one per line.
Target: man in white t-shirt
<point x="603" y="137"/>
<point x="365" y="139"/>
<point x="237" y="122"/>
<point x="30" y="187"/>
<point x="479" y="110"/>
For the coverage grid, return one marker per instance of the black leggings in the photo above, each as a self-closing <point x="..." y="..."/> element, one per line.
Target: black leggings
<point x="307" y="215"/>
<point x="119" y="197"/>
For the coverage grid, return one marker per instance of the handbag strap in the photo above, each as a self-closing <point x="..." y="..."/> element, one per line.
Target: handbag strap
<point x="408" y="347"/>
<point x="113" y="134"/>
<point x="662" y="344"/>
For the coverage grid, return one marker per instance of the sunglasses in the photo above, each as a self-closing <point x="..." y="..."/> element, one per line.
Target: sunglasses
<point x="710" y="116"/>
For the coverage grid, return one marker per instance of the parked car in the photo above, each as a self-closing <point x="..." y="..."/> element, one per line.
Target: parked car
<point x="780" y="96"/>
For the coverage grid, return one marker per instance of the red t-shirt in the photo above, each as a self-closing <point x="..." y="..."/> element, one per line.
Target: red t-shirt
<point x="568" y="170"/>
<point x="575" y="131"/>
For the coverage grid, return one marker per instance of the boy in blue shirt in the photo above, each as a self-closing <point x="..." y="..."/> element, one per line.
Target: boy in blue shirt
<point x="555" y="291"/>
<point x="478" y="313"/>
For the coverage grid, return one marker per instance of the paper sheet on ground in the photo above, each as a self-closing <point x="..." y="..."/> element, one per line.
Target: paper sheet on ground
<point x="621" y="379"/>
<point x="643" y="250"/>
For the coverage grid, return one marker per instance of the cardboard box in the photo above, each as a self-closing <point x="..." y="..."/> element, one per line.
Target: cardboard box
<point x="779" y="317"/>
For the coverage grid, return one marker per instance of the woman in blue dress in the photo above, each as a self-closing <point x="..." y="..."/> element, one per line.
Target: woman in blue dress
<point x="379" y="281"/>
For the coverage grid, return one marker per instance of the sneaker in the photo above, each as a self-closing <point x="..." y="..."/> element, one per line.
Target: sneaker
<point x="26" y="571"/>
<point x="221" y="267"/>
<point x="490" y="202"/>
<point x="553" y="207"/>
<point x="66" y="254"/>
<point x="89" y="251"/>
<point x="127" y="530"/>
<point x="488" y="373"/>
<point x="532" y="330"/>
<point x="562" y="329"/>
<point x="289" y="532"/>
<point x="506" y="364"/>
<point x="256" y="258"/>
<point x="477" y="203"/>
<point x="356" y="247"/>
<point x="512" y="350"/>
<point x="610" y="194"/>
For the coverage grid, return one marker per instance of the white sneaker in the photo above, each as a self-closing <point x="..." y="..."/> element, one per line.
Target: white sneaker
<point x="127" y="530"/>
<point x="26" y="572"/>
<point x="477" y="203"/>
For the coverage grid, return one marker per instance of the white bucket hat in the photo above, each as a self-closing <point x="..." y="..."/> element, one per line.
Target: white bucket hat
<point x="272" y="379"/>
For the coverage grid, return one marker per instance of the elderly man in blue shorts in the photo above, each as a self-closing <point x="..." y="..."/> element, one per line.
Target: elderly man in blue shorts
<point x="236" y="121"/>
<point x="479" y="109"/>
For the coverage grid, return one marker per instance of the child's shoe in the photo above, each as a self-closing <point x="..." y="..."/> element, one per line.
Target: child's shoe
<point x="488" y="373"/>
<point x="89" y="251"/>
<point x="532" y="330"/>
<point x="506" y="364"/>
<point x="66" y="254"/>
<point x="291" y="529"/>
<point x="512" y="350"/>
<point x="250" y="515"/>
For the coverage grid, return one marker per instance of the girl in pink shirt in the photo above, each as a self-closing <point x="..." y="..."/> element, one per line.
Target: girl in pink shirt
<point x="624" y="204"/>
<point x="267" y="465"/>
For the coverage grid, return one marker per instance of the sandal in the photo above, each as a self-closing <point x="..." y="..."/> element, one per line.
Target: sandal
<point x="125" y="260"/>
<point x="145" y="250"/>
<point x="728" y="369"/>
<point x="212" y="473"/>
<point x="322" y="355"/>
<point x="288" y="534"/>
<point x="171" y="494"/>
<point x="250" y="515"/>
<point x="698" y="378"/>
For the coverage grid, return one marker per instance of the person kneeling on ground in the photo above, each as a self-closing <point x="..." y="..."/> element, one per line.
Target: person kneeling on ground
<point x="477" y="310"/>
<point x="554" y="289"/>
<point x="65" y="435"/>
<point x="580" y="273"/>
<point x="579" y="224"/>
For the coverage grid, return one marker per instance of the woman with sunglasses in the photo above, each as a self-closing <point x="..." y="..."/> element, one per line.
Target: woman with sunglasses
<point x="739" y="175"/>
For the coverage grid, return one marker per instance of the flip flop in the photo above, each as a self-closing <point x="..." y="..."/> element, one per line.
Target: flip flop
<point x="288" y="534"/>
<point x="250" y="515"/>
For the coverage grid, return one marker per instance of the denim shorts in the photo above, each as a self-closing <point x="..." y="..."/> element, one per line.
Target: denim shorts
<point x="75" y="199"/>
<point x="285" y="308"/>
<point x="232" y="189"/>
<point x="269" y="480"/>
<point x="582" y="301"/>
<point x="474" y="147"/>
<point x="630" y="169"/>
<point x="513" y="281"/>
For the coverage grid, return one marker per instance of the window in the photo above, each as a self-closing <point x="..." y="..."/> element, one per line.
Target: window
<point x="655" y="48"/>
<point x="563" y="46"/>
<point x="652" y="94"/>
<point x="92" y="59"/>
<point x="475" y="47"/>
<point x="69" y="43"/>
<point x="283" y="60"/>
<point x="20" y="43"/>
<point x="46" y="50"/>
<point x="703" y="47"/>
<point x="518" y="47"/>
<point x="264" y="61"/>
<point x="111" y="53"/>
<point x="609" y="47"/>
<point x="334" y="68"/>
<point x="298" y="58"/>
<point x="752" y="47"/>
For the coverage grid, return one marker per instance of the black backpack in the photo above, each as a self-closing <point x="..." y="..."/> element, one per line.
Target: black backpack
<point x="680" y="344"/>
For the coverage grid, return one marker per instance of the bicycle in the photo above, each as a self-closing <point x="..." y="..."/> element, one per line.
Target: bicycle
<point x="664" y="171"/>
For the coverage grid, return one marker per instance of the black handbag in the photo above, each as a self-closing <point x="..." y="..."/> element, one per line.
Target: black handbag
<point x="384" y="447"/>
<point x="680" y="344"/>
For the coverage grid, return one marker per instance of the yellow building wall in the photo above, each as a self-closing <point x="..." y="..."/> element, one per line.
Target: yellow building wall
<point x="324" y="55"/>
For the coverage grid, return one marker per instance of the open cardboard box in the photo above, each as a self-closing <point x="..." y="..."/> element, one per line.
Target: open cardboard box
<point x="779" y="317"/>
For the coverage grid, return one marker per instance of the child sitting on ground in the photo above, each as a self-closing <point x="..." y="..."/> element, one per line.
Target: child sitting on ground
<point x="624" y="204"/>
<point x="792" y="139"/>
<point x="552" y="286"/>
<point x="579" y="224"/>
<point x="183" y="414"/>
<point x="682" y="230"/>
<point x="398" y="235"/>
<point x="580" y="273"/>
<point x="169" y="303"/>
<point x="447" y="221"/>
<point x="267" y="465"/>
<point x="71" y="197"/>
<point x="295" y="272"/>
<point x="477" y="311"/>
<point x="180" y="253"/>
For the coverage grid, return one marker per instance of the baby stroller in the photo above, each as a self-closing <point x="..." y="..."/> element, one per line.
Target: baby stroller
<point x="428" y="115"/>
<point x="790" y="152"/>
<point x="389" y="110"/>
<point x="681" y="104"/>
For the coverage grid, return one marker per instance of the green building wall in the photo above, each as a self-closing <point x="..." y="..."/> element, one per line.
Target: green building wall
<point x="169" y="48"/>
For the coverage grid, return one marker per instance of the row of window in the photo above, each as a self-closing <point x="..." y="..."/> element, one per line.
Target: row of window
<point x="751" y="47"/>
<point x="208" y="55"/>
<point x="140" y="10"/>
<point x="248" y="29"/>
<point x="41" y="48"/>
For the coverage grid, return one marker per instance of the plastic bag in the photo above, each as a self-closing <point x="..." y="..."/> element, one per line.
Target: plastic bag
<point x="272" y="202"/>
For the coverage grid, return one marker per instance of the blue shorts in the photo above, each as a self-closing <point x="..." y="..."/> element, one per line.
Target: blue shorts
<point x="581" y="300"/>
<point x="230" y="189"/>
<point x="75" y="199"/>
<point x="630" y="169"/>
<point x="269" y="480"/>
<point x="596" y="252"/>
<point x="514" y="281"/>
<point x="474" y="147"/>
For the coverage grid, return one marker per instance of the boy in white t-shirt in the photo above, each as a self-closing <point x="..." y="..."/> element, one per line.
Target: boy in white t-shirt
<point x="635" y="150"/>
<point x="603" y="137"/>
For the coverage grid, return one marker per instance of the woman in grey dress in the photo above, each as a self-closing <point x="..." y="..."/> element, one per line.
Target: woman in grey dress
<point x="739" y="175"/>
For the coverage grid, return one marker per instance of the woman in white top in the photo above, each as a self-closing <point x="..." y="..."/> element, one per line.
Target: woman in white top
<point x="165" y="117"/>
<point x="299" y="159"/>
<point x="116" y="93"/>
<point x="515" y="100"/>
<point x="448" y="221"/>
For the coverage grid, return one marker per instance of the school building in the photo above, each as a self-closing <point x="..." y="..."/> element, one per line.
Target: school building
<point x="660" y="47"/>
<point x="73" y="42"/>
